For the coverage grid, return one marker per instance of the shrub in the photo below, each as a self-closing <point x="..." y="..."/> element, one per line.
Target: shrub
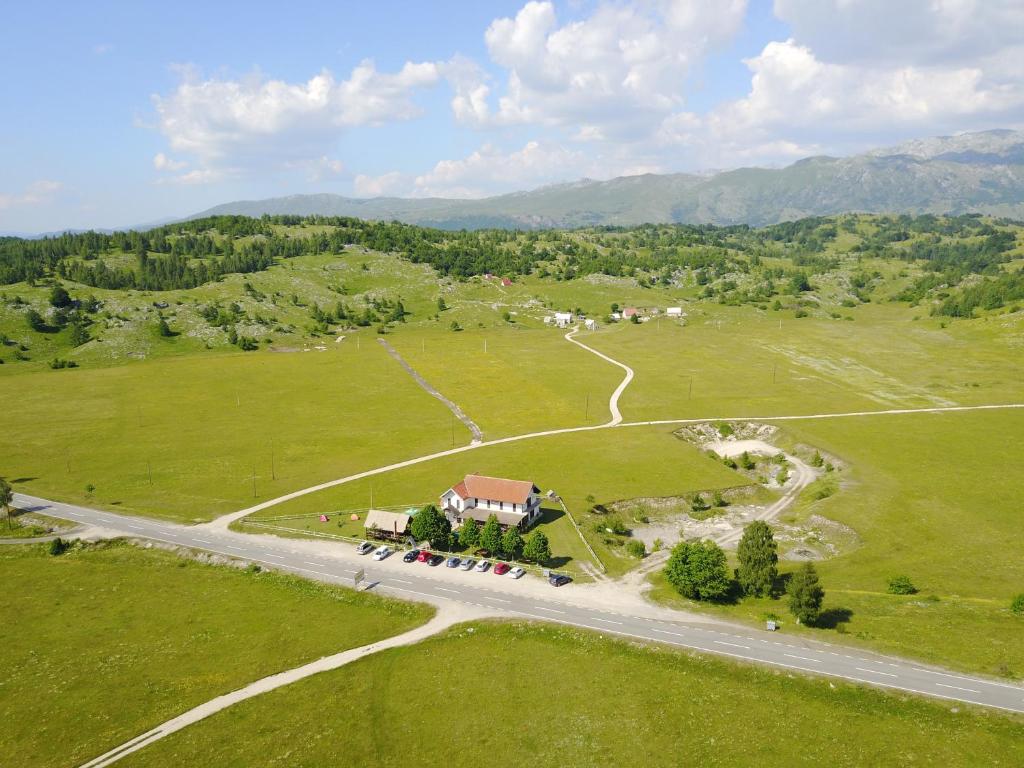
<point x="58" y="546"/>
<point x="901" y="585"/>
<point x="1017" y="604"/>
<point x="636" y="549"/>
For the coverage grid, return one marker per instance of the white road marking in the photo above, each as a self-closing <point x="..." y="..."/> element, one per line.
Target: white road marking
<point x="875" y="672"/>
<point x="310" y="562"/>
<point x="204" y="541"/>
<point x="734" y="645"/>
<point x="666" y="632"/>
<point x="803" y="658"/>
<point x="499" y="599"/>
<point x="443" y="589"/>
<point x="957" y="688"/>
<point x="606" y="621"/>
<point x="961" y="677"/>
<point x="400" y="581"/>
<point x="550" y="610"/>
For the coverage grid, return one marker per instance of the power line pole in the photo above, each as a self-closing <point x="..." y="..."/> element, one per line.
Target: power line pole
<point x="149" y="467"/>
<point x="586" y="416"/>
<point x="273" y="475"/>
<point x="254" y="481"/>
<point x="774" y="366"/>
<point x="689" y="392"/>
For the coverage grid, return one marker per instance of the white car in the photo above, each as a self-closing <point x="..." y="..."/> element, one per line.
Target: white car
<point x="482" y="566"/>
<point x="516" y="573"/>
<point x="364" y="548"/>
<point x="381" y="552"/>
<point x="467" y="564"/>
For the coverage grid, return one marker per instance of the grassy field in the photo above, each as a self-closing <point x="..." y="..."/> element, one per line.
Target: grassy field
<point x="741" y="362"/>
<point x="607" y="465"/>
<point x="183" y="438"/>
<point x="89" y="663"/>
<point x="935" y="497"/>
<point x="549" y="696"/>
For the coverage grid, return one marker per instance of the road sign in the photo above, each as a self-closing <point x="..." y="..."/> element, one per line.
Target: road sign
<point x="360" y="575"/>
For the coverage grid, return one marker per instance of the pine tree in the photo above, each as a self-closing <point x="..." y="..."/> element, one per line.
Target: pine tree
<point x="537" y="548"/>
<point x="490" y="536"/>
<point x="469" y="533"/>
<point x="806" y="595"/>
<point x="758" y="556"/>
<point x="511" y="542"/>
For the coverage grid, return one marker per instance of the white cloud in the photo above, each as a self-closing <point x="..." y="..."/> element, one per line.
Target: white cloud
<point x="164" y="163"/>
<point x="393" y="183"/>
<point x="616" y="72"/>
<point x="257" y="122"/>
<point x="918" y="32"/>
<point x="37" y="193"/>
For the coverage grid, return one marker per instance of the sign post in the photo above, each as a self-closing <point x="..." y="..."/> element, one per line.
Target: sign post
<point x="360" y="575"/>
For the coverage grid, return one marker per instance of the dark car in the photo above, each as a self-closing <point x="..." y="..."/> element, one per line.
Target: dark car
<point x="436" y="560"/>
<point x="558" y="579"/>
<point x="453" y="562"/>
<point x="424" y="556"/>
<point x="411" y="555"/>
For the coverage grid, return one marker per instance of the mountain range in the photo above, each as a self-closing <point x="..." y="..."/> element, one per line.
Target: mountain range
<point x="974" y="172"/>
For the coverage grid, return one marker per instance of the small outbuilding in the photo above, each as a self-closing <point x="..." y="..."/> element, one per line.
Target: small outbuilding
<point x="388" y="526"/>
<point x="675" y="312"/>
<point x="563" y="319"/>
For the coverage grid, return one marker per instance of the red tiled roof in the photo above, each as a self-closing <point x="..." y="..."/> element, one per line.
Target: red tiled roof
<point x="495" y="489"/>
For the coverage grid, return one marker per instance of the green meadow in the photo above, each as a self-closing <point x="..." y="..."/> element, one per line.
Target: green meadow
<point x="103" y="643"/>
<point x="190" y="438"/>
<point x="550" y="696"/>
<point x="935" y="497"/>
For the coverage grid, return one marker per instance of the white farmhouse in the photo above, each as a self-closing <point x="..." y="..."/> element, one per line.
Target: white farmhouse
<point x="513" y="502"/>
<point x="590" y="324"/>
<point x="674" y="312"/>
<point x="563" y="319"/>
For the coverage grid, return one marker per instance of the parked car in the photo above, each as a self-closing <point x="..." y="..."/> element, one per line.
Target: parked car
<point x="467" y="564"/>
<point x="482" y="565"/>
<point x="382" y="552"/>
<point x="411" y="555"/>
<point x="453" y="562"/>
<point x="364" y="548"/>
<point x="424" y="556"/>
<point x="435" y="560"/>
<point x="516" y="573"/>
<point x="500" y="569"/>
<point x="558" y="579"/>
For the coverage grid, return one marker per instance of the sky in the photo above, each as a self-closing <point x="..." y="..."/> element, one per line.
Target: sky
<point x="114" y="114"/>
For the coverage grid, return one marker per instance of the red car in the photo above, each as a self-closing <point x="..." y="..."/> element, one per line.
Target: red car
<point x="500" y="569"/>
<point x="423" y="556"/>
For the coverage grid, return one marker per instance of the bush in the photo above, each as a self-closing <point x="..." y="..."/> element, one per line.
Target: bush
<point x="636" y="549"/>
<point x="1017" y="605"/>
<point x="901" y="585"/>
<point x="58" y="546"/>
<point x="698" y="571"/>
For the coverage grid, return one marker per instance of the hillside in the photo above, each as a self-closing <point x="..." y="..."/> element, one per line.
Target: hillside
<point x="979" y="172"/>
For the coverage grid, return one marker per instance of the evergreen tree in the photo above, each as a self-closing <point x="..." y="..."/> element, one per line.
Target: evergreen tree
<point x="537" y="548"/>
<point x="79" y="334"/>
<point x="469" y="533"/>
<point x="59" y="297"/>
<point x="163" y="328"/>
<point x="806" y="595"/>
<point x="511" y="542"/>
<point x="697" y="570"/>
<point x="490" y="536"/>
<point x="758" y="556"/>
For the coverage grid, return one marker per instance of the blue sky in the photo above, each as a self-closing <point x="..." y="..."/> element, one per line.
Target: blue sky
<point x="119" y="113"/>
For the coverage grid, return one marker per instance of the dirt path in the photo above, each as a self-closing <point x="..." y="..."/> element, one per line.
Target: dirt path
<point x="478" y="435"/>
<point x="446" y="617"/>
<point x="802" y="475"/>
<point x="613" y="401"/>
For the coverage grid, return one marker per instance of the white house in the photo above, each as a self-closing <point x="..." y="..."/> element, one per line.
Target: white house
<point x="674" y="312"/>
<point x="590" y="324"/>
<point x="563" y="319"/>
<point x="513" y="502"/>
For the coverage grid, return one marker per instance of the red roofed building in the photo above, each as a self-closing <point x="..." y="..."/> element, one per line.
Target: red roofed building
<point x="513" y="502"/>
<point x="629" y="312"/>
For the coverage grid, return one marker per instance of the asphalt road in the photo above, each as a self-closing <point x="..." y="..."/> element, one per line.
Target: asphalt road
<point x="418" y="581"/>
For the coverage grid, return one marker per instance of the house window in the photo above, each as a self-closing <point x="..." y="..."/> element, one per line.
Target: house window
<point x="501" y="505"/>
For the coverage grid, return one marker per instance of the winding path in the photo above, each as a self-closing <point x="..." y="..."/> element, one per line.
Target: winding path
<point x="613" y="401"/>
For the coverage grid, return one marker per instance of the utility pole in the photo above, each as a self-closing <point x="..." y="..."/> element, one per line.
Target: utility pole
<point x="238" y="400"/>
<point x="453" y="430"/>
<point x="149" y="467"/>
<point x="138" y="410"/>
<point x="67" y="461"/>
<point x="774" y="366"/>
<point x="689" y="392"/>
<point x="254" y="481"/>
<point x="485" y="346"/>
<point x="586" y="416"/>
<point x="273" y="475"/>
